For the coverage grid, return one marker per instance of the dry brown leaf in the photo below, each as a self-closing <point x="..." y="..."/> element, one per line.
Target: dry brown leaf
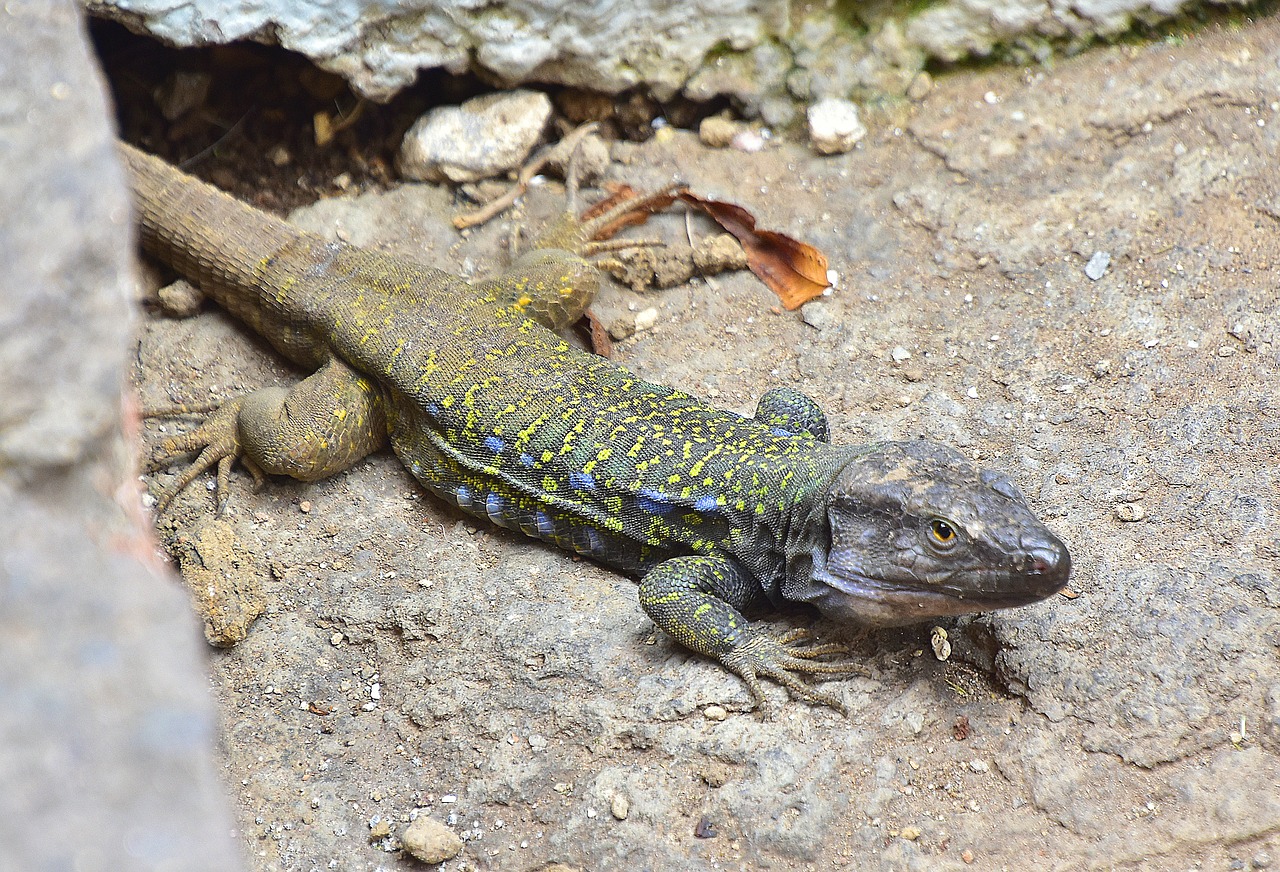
<point x="601" y="344"/>
<point x="793" y="270"/>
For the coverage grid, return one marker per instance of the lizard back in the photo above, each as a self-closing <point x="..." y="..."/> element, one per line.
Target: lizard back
<point x="488" y="409"/>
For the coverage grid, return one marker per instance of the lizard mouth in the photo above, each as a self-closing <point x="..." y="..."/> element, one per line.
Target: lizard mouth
<point x="844" y="595"/>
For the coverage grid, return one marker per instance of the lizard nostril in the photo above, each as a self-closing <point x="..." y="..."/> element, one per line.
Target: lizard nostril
<point x="1049" y="558"/>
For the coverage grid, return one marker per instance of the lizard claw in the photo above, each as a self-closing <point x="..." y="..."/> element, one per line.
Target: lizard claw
<point x="218" y="442"/>
<point x="778" y="658"/>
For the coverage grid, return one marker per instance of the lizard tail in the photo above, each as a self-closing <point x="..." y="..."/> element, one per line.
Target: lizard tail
<point x="174" y="212"/>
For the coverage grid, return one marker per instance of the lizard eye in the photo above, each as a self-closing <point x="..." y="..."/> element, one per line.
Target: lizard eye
<point x="942" y="533"/>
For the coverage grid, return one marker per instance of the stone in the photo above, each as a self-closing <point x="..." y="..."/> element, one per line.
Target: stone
<point x="1096" y="268"/>
<point x="702" y="48"/>
<point x="430" y="841"/>
<point x="834" y="126"/>
<point x="107" y="760"/>
<point x="719" y="132"/>
<point x="482" y="138"/>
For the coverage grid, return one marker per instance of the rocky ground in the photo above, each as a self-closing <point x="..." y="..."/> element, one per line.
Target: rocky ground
<point x="1068" y="273"/>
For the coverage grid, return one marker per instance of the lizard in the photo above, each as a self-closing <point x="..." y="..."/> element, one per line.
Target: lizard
<point x="495" y="414"/>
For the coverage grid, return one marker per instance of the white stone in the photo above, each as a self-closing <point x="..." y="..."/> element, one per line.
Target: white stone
<point x="834" y="126"/>
<point x="482" y="138"/>
<point x="646" y="318"/>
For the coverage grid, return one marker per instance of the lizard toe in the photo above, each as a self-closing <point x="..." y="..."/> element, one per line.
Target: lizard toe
<point x="773" y="658"/>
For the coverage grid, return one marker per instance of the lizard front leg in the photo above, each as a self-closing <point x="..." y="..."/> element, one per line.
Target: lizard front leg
<point x="320" y="426"/>
<point x="697" y="600"/>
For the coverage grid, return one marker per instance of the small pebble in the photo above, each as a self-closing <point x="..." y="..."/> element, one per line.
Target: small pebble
<point x="304" y="506"/>
<point x="967" y="856"/>
<point x="900" y="354"/>
<point x="431" y="841"/>
<point x="717" y="131"/>
<point x="646" y="318"/>
<point x="592" y="154"/>
<point x="620" y="806"/>
<point x="921" y="85"/>
<point x="834" y="126"/>
<point x="750" y="141"/>
<point x="180" y="299"/>
<point x="715" y="713"/>
<point x="909" y="833"/>
<point x="980" y="766"/>
<point x="940" y="643"/>
<point x="1096" y="268"/>
<point x="1130" y="512"/>
<point x="817" y="316"/>
<point x="623" y="327"/>
<point x="715" y="774"/>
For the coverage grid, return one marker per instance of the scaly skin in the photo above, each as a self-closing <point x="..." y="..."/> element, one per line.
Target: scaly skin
<point x="495" y="414"/>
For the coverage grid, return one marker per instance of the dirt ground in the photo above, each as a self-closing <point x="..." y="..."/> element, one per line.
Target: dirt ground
<point x="413" y="661"/>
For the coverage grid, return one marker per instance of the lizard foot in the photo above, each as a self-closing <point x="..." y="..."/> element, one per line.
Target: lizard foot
<point x="316" y="428"/>
<point x="778" y="657"/>
<point x="217" y="440"/>
<point x="697" y="600"/>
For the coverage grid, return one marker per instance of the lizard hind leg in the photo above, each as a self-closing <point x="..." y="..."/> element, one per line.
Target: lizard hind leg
<point x="556" y="279"/>
<point x="552" y="286"/>
<point x="320" y="426"/>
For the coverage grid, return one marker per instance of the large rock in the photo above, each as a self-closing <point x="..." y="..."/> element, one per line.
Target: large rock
<point x="759" y="52"/>
<point x="380" y="46"/>
<point x="108" y="730"/>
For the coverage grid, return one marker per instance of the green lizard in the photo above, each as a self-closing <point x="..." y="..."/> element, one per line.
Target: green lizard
<point x="493" y="413"/>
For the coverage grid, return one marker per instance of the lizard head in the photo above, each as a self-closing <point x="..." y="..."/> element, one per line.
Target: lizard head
<point x="914" y="532"/>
